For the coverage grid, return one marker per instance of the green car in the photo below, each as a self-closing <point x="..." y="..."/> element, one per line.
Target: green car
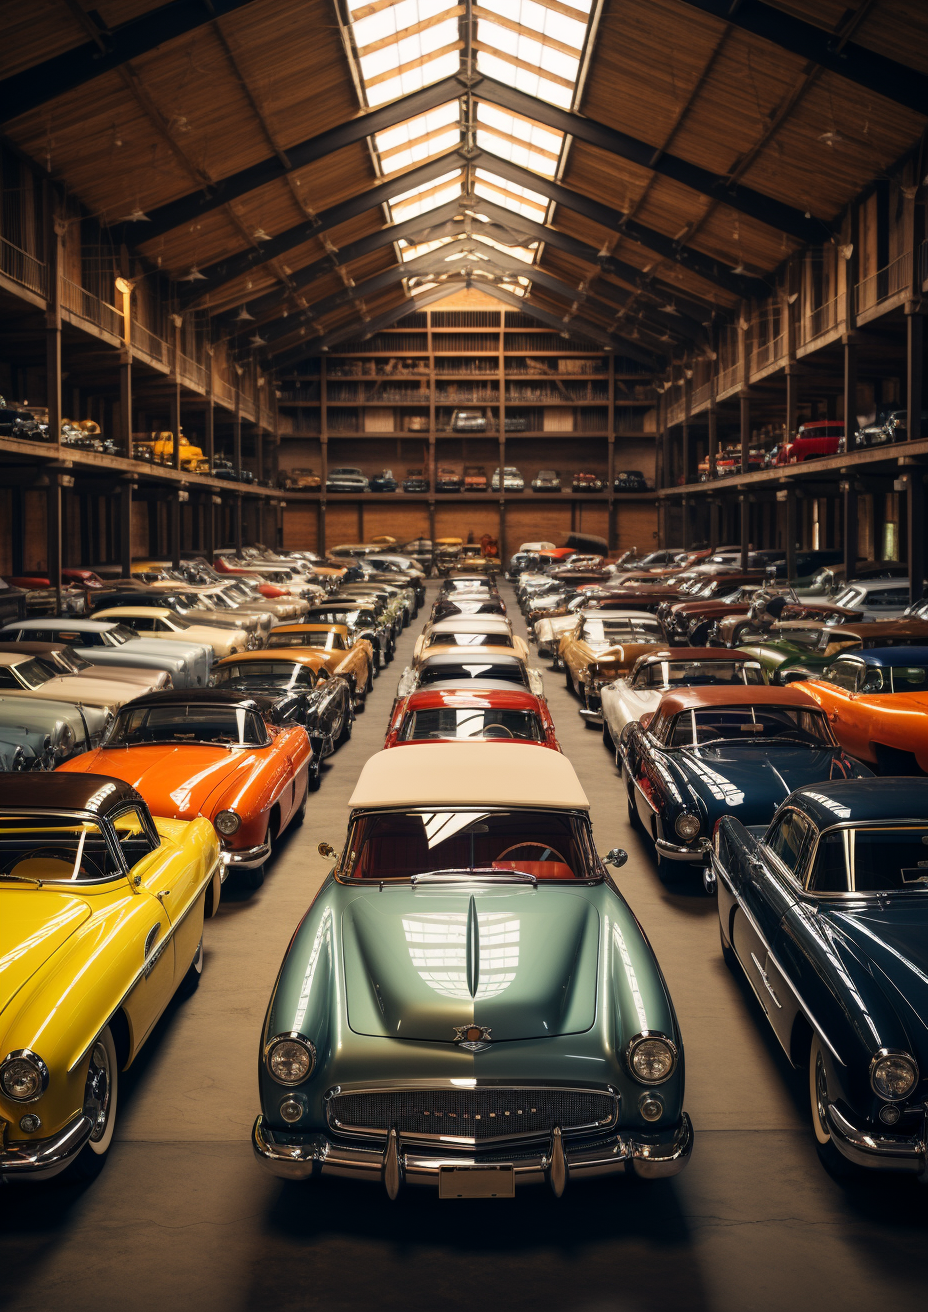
<point x="798" y="644"/>
<point x="469" y="1003"/>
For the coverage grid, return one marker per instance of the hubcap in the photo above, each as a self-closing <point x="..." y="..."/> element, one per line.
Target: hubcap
<point x="97" y="1090"/>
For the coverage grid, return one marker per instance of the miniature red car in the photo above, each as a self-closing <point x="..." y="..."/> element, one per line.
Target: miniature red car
<point x="503" y="716"/>
<point x="819" y="438"/>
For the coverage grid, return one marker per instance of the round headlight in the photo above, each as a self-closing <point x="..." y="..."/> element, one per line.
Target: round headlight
<point x="893" y="1075"/>
<point x="228" y="822"/>
<point x="651" y="1058"/>
<point x="687" y="826"/>
<point x="290" y="1060"/>
<point x="23" y="1076"/>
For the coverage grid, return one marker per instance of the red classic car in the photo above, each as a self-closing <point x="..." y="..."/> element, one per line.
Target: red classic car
<point x="819" y="438"/>
<point x="503" y="716"/>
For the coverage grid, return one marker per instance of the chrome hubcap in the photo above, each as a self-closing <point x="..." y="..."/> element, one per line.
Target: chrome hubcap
<point x="97" y="1090"/>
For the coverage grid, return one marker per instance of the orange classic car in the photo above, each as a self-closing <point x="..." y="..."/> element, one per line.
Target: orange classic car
<point x="877" y="702"/>
<point x="223" y="755"/>
<point x="342" y="653"/>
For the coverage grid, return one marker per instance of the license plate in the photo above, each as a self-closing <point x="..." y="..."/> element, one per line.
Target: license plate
<point x="477" y="1182"/>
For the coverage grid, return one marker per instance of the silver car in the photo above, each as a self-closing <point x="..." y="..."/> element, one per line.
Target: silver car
<point x="106" y="643"/>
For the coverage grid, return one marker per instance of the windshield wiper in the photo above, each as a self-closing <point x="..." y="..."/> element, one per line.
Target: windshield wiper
<point x="487" y="874"/>
<point x="23" y="879"/>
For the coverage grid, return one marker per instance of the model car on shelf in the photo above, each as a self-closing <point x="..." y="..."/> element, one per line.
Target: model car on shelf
<point x="222" y="467"/>
<point x="416" y="481"/>
<point x="510" y="716"/>
<point x="638" y="693"/>
<point x="346" y="478"/>
<point x="384" y="481"/>
<point x="630" y="480"/>
<point x="709" y="752"/>
<point x="601" y="645"/>
<point x="223" y="754"/>
<point x="340" y="651"/>
<point x="546" y="480"/>
<point x="818" y="438"/>
<point x="511" y="478"/>
<point x="475" y="478"/>
<point x="104" y="642"/>
<point x="823" y="911"/>
<point x="545" y="1069"/>
<point x="160" y="623"/>
<point x="86" y="435"/>
<point x="469" y="421"/>
<point x="306" y="480"/>
<point x="22" y="425"/>
<point x="486" y="667"/>
<point x="303" y="692"/>
<point x="102" y="913"/>
<point x="586" y="481"/>
<point x="890" y="426"/>
<point x="448" y="478"/>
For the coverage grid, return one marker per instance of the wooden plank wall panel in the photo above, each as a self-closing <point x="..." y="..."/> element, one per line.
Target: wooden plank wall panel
<point x="635" y="526"/>
<point x="301" y="524"/>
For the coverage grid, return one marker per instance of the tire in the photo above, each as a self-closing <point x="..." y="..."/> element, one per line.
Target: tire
<point x="358" y="700"/>
<point x="345" y="730"/>
<point x="568" y="680"/>
<point x="607" y="736"/>
<point x="369" y="686"/>
<point x="314" y="779"/>
<point x="728" y="952"/>
<point x="191" y="981"/>
<point x="633" y="819"/>
<point x="100" y="1099"/>
<point x="300" y="815"/>
<point x="253" y="879"/>
<point x="833" y="1161"/>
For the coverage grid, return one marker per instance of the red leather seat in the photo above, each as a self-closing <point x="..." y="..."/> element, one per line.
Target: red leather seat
<point x="540" y="869"/>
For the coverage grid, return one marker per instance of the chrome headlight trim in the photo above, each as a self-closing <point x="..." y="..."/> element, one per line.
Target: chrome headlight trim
<point x="683" y="826"/>
<point x="894" y="1054"/>
<point x="293" y="1037"/>
<point x="30" y="1058"/>
<point x="649" y="1036"/>
<point x="227" y="823"/>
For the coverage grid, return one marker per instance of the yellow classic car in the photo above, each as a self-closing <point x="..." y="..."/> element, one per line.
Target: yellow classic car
<point x="603" y="646"/>
<point x="101" y="923"/>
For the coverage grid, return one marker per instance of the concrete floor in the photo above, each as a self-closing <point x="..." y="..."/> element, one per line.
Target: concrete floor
<point x="182" y="1217"/>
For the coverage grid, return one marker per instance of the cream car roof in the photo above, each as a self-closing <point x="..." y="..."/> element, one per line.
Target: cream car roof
<point x="470" y="774"/>
<point x="472" y="624"/>
<point x="137" y="612"/>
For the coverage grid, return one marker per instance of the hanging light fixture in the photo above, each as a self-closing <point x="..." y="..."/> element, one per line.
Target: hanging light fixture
<point x="193" y="274"/>
<point x="243" y="316"/>
<point x="137" y="216"/>
<point x="257" y="340"/>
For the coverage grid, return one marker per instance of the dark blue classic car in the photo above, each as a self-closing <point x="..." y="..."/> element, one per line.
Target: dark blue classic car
<point x="827" y="914"/>
<point x="708" y="752"/>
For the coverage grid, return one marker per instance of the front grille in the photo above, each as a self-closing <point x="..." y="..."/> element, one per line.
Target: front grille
<point x="478" y="1114"/>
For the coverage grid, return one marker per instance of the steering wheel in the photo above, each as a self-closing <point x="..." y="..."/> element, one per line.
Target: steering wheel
<point x="492" y="730"/>
<point x="52" y="854"/>
<point x="545" y="847"/>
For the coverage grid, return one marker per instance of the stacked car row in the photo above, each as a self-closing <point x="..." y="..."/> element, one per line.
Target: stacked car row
<point x="451" y="478"/>
<point x="768" y="793"/>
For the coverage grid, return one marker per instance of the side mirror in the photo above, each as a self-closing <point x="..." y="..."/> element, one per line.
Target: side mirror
<point x="616" y="856"/>
<point x="326" y="849"/>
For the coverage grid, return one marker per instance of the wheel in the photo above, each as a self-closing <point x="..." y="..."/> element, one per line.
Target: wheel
<point x="100" y="1096"/>
<point x="253" y="879"/>
<point x="607" y="736"/>
<point x="569" y="683"/>
<point x="191" y="981"/>
<point x="833" y="1161"/>
<point x="345" y="732"/>
<point x="632" y="809"/>
<point x="728" y="952"/>
<point x="369" y="686"/>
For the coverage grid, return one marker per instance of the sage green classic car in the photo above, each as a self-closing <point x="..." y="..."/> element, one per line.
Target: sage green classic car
<point x="469" y="1003"/>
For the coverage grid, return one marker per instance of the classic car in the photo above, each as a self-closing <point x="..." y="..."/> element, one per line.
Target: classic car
<point x="469" y="582"/>
<point x="219" y="601"/>
<point x="222" y="467"/>
<point x="480" y="627"/>
<point x="586" y="481"/>
<point x="101" y="923"/>
<point x="416" y="481"/>
<point x="49" y="731"/>
<point x="478" y="563"/>
<point x="346" y="479"/>
<point x="12" y="603"/>
<point x="303" y="692"/>
<point x="206" y="751"/>
<point x="824" y="913"/>
<point x="42" y="599"/>
<point x="448" y="478"/>
<point x="361" y="622"/>
<point x="86" y="435"/>
<point x="105" y="643"/>
<point x="485" y="959"/>
<point x="876" y="599"/>
<point x="58" y="658"/>
<point x="21" y="425"/>
<point x="512" y="479"/>
<point x="630" y="480"/>
<point x="766" y="608"/>
<point x="546" y="480"/>
<point x="468" y="421"/>
<point x="708" y="752"/>
<point x="393" y="606"/>
<point x="475" y="478"/>
<point x="496" y="667"/>
<point x="509" y="716"/>
<point x="383" y="482"/>
<point x="342" y="653"/>
<point x="515" y="423"/>
<point x="625" y="700"/>
<point x="307" y="480"/>
<point x="877" y="701"/>
<point x="802" y="648"/>
<point x="890" y="426"/>
<point x="687" y="620"/>
<point x="161" y="624"/>
<point x="467" y="604"/>
<point x="818" y="438"/>
<point x="191" y="457"/>
<point x="22" y="675"/>
<point x="609" y="637"/>
<point x="197" y="608"/>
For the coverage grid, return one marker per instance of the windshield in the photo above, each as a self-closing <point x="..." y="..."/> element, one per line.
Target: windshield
<point x="54" y="847"/>
<point x="469" y="640"/>
<point x="118" y="635"/>
<point x="668" y="674"/>
<point x="751" y="724"/>
<point x="850" y="598"/>
<point x="225" y="726"/>
<point x="808" y="638"/>
<point x="877" y="860"/>
<point x="458" y="672"/>
<point x="348" y="617"/>
<point x="25" y="674"/>
<point x="637" y="629"/>
<point x="286" y="674"/>
<point x="325" y="639"/>
<point x="399" y="844"/>
<point x="471" y="722"/>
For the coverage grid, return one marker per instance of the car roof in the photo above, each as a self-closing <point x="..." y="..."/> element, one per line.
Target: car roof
<point x="474" y="656"/>
<point x="61" y="622"/>
<point x="864" y="800"/>
<point x="298" y="655"/>
<point x="427" y="699"/>
<point x="62" y="790"/>
<point x="311" y="628"/>
<point x="205" y="697"/>
<point x="132" y="611"/>
<point x="899" y="584"/>
<point x="456" y="774"/>
<point x="685" y="699"/>
<point x="887" y="656"/>
<point x="14" y="657"/>
<point x="693" y="654"/>
<point x="472" y="624"/>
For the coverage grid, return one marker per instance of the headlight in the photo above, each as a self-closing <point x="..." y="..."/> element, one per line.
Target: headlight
<point x="893" y="1075"/>
<point x="228" y="823"/>
<point x="289" y="1059"/>
<point x="65" y="744"/>
<point x="23" y="1076"/>
<point x="651" y="1058"/>
<point x="687" y="826"/>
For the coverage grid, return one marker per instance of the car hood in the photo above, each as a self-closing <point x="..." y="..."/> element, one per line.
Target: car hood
<point x="33" y="926"/>
<point x="520" y="961"/>
<point x="750" y="781"/>
<point x="79" y="690"/>
<point x="176" y="781"/>
<point x="894" y="938"/>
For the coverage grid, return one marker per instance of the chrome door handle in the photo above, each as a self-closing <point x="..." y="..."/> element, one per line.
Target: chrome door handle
<point x="165" y="892"/>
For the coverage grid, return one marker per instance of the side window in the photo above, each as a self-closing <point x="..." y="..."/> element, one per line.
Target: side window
<point x="843" y="674"/>
<point x="887" y="597"/>
<point x="788" y="839"/>
<point x="141" y="623"/>
<point x="133" y="836"/>
<point x="8" y="678"/>
<point x="830" y="872"/>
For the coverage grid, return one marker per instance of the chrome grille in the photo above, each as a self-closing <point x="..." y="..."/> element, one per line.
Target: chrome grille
<point x="478" y="1114"/>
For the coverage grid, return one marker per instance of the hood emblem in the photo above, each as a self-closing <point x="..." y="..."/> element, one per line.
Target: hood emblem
<point x="473" y="1037"/>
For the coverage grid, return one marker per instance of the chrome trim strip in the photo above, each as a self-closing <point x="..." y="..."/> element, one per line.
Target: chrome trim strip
<point x="40" y="1159"/>
<point x="246" y="858"/>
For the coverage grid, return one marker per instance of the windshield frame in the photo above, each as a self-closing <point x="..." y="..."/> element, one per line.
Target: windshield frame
<point x="131" y="708"/>
<point x="830" y="742"/>
<point x="900" y="822"/>
<point x="103" y="823"/>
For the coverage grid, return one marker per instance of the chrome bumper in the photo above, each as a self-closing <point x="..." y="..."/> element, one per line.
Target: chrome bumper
<point x="246" y="858"/>
<point x="879" y="1152"/>
<point x="654" y="1158"/>
<point x="592" y="717"/>
<point x="697" y="853"/>
<point x="40" y="1159"/>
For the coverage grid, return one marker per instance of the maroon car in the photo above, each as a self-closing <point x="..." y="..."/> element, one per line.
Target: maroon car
<point x="819" y="438"/>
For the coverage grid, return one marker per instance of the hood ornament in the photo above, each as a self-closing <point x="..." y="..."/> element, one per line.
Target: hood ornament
<point x="472" y="1037"/>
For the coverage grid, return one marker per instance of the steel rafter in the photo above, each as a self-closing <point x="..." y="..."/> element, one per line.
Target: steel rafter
<point x="855" y="63"/>
<point x="40" y="83"/>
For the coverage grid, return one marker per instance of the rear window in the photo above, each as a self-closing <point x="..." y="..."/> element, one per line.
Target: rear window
<point x="469" y="640"/>
<point x="470" y="722"/>
<point x="459" y="672"/>
<point x="288" y="674"/>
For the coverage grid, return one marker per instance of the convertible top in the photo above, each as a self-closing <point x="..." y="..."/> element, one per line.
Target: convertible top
<point x="734" y="695"/>
<point x="64" y="791"/>
<point x="470" y="774"/>
<point x="497" y="699"/>
<point x="472" y="624"/>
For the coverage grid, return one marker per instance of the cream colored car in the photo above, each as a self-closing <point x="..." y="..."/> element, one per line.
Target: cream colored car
<point x="22" y="675"/>
<point x="158" y="622"/>
<point x="462" y="632"/>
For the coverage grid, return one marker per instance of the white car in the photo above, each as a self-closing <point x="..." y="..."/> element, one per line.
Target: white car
<point x="165" y="626"/>
<point x="627" y="700"/>
<point x="466" y="671"/>
<point x="468" y="633"/>
<point x="879" y="599"/>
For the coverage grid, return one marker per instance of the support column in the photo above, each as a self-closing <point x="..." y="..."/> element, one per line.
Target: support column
<point x="324" y="475"/>
<point x="53" y="518"/>
<point x="849" y="494"/>
<point x="174" y="513"/>
<point x="689" y="473"/>
<point x="918" y="531"/>
<point x="18" y="527"/>
<point x="237" y="522"/>
<point x="209" y="430"/>
<point x="850" y="393"/>
<point x="175" y="391"/>
<point x="715" y="530"/>
<point x="209" y="525"/>
<point x="125" y="528"/>
<point x="792" y="402"/>
<point x="53" y="331"/>
<point x="237" y="434"/>
<point x="125" y="401"/>
<point x="915" y="364"/>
